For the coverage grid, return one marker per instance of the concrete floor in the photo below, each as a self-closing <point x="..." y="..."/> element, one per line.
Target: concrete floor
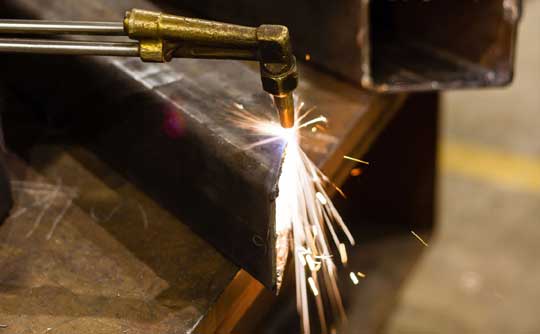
<point x="481" y="272"/>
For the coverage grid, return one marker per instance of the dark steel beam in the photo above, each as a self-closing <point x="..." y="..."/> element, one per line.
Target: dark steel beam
<point x="391" y="45"/>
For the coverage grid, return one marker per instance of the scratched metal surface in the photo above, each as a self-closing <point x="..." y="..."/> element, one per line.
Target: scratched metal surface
<point x="85" y="251"/>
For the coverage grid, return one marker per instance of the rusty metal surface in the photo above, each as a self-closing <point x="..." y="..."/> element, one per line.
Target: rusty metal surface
<point x="391" y="45"/>
<point x="85" y="251"/>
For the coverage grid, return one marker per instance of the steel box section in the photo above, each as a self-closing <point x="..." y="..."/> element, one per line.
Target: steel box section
<point x="391" y="46"/>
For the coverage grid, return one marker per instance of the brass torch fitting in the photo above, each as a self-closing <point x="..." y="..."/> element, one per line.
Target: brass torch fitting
<point x="278" y="69"/>
<point x="280" y="82"/>
<point x="162" y="37"/>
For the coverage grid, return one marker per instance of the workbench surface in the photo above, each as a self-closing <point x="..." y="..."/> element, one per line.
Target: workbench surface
<point x="84" y="251"/>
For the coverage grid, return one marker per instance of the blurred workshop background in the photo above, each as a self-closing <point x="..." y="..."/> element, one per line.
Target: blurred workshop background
<point x="481" y="272"/>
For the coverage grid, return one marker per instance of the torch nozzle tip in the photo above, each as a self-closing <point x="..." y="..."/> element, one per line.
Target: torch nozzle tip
<point x="285" y="107"/>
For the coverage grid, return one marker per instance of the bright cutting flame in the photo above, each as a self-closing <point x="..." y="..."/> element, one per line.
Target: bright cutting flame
<point x="306" y="215"/>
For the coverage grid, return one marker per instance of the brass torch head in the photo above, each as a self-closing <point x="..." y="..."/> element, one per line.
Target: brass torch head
<point x="280" y="80"/>
<point x="162" y="37"/>
<point x="279" y="75"/>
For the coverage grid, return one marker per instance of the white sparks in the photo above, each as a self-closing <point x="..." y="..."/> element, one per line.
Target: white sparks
<point x="420" y="239"/>
<point x="320" y="119"/>
<point x="315" y="230"/>
<point x="302" y="260"/>
<point x="306" y="212"/>
<point x="321" y="198"/>
<point x="312" y="264"/>
<point x="343" y="253"/>
<point x="313" y="286"/>
<point x="354" y="279"/>
<point x="355" y="159"/>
